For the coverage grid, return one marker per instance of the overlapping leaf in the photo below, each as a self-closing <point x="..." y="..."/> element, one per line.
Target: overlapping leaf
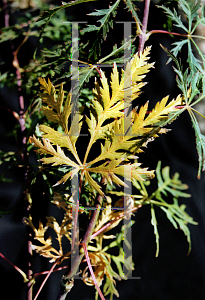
<point x="106" y="122"/>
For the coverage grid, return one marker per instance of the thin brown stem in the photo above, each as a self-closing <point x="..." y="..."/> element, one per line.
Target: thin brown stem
<point x="65" y="282"/>
<point x="24" y="156"/>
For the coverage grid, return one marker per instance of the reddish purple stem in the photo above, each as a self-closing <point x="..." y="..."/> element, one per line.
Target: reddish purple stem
<point x="142" y="37"/>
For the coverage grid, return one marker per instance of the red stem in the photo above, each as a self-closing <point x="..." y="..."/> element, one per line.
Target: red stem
<point x="15" y="267"/>
<point x="43" y="283"/>
<point x="91" y="271"/>
<point x="21" y="118"/>
<point x="111" y="222"/>
<point x="167" y="32"/>
<point x="46" y="272"/>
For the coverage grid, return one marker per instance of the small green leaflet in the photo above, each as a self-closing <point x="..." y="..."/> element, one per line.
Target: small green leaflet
<point x="131" y="7"/>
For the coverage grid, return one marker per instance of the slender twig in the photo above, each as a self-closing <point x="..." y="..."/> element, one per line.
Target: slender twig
<point x="87" y="236"/>
<point x="143" y="36"/>
<point x="75" y="215"/>
<point x="46" y="278"/>
<point x="113" y="221"/>
<point x="21" y="119"/>
<point x="15" y="267"/>
<point x="64" y="286"/>
<point x="91" y="271"/>
<point x="46" y="272"/>
<point x="6" y="14"/>
<point x="167" y="32"/>
<point x="24" y="158"/>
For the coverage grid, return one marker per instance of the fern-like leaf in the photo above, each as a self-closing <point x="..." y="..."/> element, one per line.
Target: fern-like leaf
<point x="106" y="23"/>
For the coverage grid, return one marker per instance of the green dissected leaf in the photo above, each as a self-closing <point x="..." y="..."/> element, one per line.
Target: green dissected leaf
<point x="8" y="34"/>
<point x="200" y="143"/>
<point x="173" y="15"/>
<point x="194" y="63"/>
<point x="172" y="185"/>
<point x="177" y="48"/>
<point x="179" y="218"/>
<point x="106" y="23"/>
<point x="191" y="10"/>
<point x="175" y="213"/>
<point x="190" y="84"/>
<point x="131" y="7"/>
<point x="85" y="73"/>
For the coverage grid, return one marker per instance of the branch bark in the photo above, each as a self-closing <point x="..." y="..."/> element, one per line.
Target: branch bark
<point x="67" y="279"/>
<point x="143" y="36"/>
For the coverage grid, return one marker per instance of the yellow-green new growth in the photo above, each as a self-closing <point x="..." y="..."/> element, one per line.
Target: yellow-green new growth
<point x="106" y="122"/>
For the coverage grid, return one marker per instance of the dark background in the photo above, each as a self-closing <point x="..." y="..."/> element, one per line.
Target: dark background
<point x="172" y="275"/>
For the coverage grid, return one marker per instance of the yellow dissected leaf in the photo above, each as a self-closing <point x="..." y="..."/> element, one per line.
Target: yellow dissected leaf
<point x="108" y="107"/>
<point x="99" y="269"/>
<point x="63" y="230"/>
<point x="142" y="124"/>
<point x="55" y="111"/>
<point x="58" y="156"/>
<point x="128" y="171"/>
<point x="106" y="216"/>
<point x="60" y="139"/>
<point x="162" y="110"/>
<point x="106" y="121"/>
<point x="46" y="248"/>
<point x="93" y="184"/>
<point x="58" y="110"/>
<point x="68" y="176"/>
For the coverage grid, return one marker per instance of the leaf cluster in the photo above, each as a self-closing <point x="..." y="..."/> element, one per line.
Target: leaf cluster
<point x="119" y="144"/>
<point x="119" y="132"/>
